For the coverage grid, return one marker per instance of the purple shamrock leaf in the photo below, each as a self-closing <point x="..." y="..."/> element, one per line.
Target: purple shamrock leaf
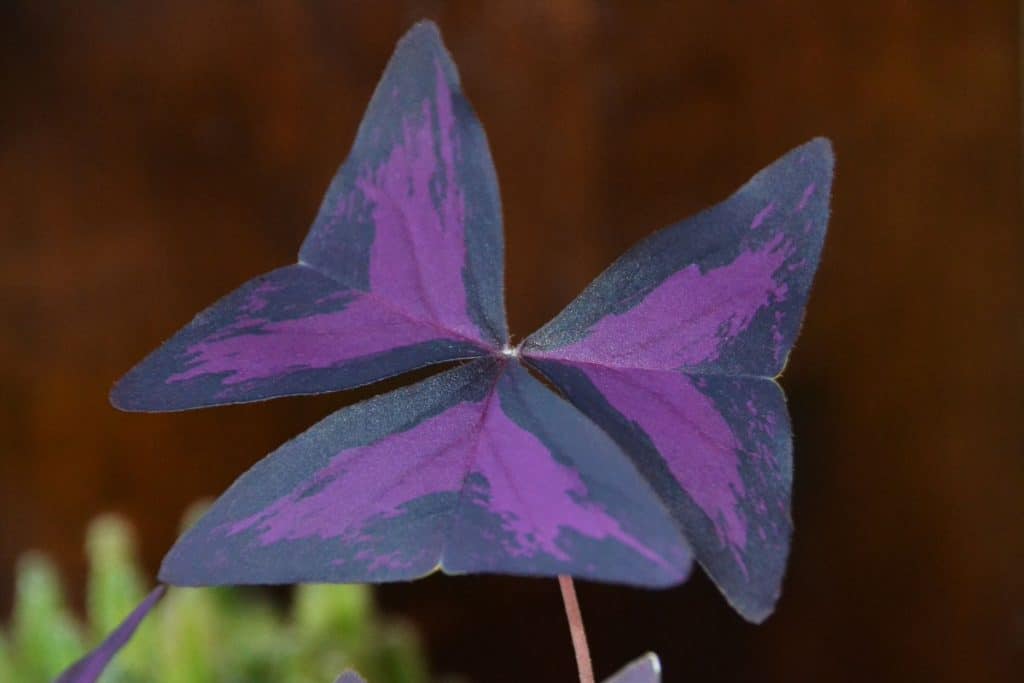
<point x="673" y="352"/>
<point x="402" y="267"/>
<point x="674" y="436"/>
<point x="89" y="668"/>
<point x="647" y="669"/>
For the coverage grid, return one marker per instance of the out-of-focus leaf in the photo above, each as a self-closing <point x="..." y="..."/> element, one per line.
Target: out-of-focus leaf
<point x="230" y="635"/>
<point x="332" y="611"/>
<point x="7" y="668"/>
<point x="647" y="669"/>
<point x="189" y="636"/>
<point x="115" y="586"/>
<point x="43" y="631"/>
<point x="350" y="677"/>
<point x="397" y="658"/>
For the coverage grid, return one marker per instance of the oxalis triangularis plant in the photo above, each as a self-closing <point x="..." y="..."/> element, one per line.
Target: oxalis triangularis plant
<point x="667" y="441"/>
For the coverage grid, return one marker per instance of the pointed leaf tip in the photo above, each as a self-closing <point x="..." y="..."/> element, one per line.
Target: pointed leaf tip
<point x="361" y="306"/>
<point x="89" y="668"/>
<point x="423" y="27"/>
<point x="646" y="669"/>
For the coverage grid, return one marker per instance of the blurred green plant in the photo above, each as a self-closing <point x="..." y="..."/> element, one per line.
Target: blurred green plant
<point x="204" y="635"/>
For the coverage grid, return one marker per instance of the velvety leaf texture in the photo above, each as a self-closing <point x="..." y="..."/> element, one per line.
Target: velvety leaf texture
<point x="669" y="440"/>
<point x="89" y="668"/>
<point x="478" y="469"/>
<point x="718" y="452"/>
<point x="647" y="669"/>
<point x="673" y="352"/>
<point x="722" y="293"/>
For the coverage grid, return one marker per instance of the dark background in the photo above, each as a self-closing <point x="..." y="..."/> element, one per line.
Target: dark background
<point x="154" y="156"/>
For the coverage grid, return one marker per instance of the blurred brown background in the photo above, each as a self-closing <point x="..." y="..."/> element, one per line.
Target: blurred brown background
<point x="154" y="156"/>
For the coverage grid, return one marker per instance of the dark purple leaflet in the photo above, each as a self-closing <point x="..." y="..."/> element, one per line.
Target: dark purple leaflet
<point x="478" y="469"/>
<point x="673" y="352"/>
<point x="402" y="268"/>
<point x="674" y="442"/>
<point x="722" y="293"/>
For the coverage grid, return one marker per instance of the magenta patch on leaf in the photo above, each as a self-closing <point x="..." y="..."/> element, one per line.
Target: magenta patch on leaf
<point x="688" y="318"/>
<point x="535" y="497"/>
<point x="482" y="468"/>
<point x="257" y="349"/>
<point x="762" y="215"/>
<point x="372" y="481"/>
<point x="808" y="191"/>
<point x="418" y="209"/>
<point x="690" y="433"/>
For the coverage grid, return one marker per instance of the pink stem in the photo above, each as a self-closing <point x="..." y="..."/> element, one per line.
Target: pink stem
<point x="579" y="634"/>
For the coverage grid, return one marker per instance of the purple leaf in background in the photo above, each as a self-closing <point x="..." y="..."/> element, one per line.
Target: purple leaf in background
<point x="478" y="469"/>
<point x="90" y="668"/>
<point x="350" y="677"/>
<point x="647" y="669"/>
<point x="671" y="439"/>
<point x="402" y="268"/>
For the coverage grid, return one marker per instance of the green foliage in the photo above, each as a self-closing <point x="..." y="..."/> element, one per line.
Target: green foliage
<point x="200" y="635"/>
<point x="44" y="636"/>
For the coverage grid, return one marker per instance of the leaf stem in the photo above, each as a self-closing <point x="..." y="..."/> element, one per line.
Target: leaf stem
<point x="579" y="634"/>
